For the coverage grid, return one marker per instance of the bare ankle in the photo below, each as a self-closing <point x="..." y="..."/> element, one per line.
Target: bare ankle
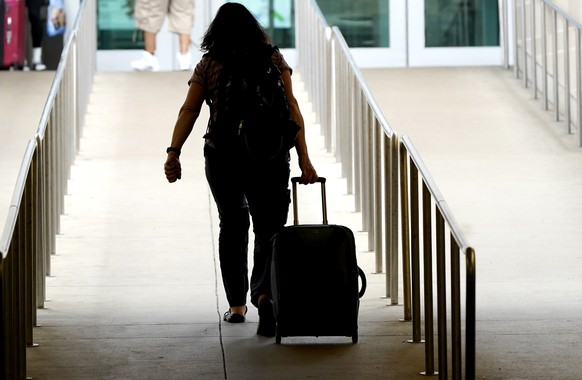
<point x="242" y="310"/>
<point x="262" y="298"/>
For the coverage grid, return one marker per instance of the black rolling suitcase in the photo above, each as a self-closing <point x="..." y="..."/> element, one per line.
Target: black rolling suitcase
<point x="315" y="278"/>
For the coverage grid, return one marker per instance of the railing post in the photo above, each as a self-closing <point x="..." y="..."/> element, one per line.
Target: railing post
<point x="471" y="307"/>
<point x="392" y="176"/>
<point x="335" y="89"/>
<point x="368" y="210"/>
<point x="350" y="133"/>
<point x="366" y="169"/>
<point x="456" y="341"/>
<point x="405" y="232"/>
<point x="415" y="253"/>
<point x="357" y="150"/>
<point x="567" y="97"/>
<point x="534" y="66"/>
<point x="504" y="17"/>
<point x="524" y="42"/>
<point x="30" y="252"/>
<point x="556" y="81"/>
<point x="544" y="47"/>
<point x="579" y="82"/>
<point x="441" y="295"/>
<point x="20" y="285"/>
<point x="377" y="176"/>
<point x="428" y="290"/>
<point x="389" y="147"/>
<point x="39" y="233"/>
<point x="515" y="39"/>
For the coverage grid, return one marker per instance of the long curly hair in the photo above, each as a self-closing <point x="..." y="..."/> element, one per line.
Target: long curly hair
<point x="234" y="32"/>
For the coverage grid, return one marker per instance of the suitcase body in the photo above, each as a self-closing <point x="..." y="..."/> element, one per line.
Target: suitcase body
<point x="315" y="279"/>
<point x="12" y="29"/>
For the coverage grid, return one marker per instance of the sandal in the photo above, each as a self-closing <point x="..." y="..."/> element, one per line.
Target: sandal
<point x="231" y="317"/>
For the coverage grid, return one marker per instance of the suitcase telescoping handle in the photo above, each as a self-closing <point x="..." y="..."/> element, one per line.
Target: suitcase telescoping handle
<point x="294" y="182"/>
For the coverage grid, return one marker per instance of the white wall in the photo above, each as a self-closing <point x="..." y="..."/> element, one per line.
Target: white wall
<point x="71" y="10"/>
<point x="572" y="7"/>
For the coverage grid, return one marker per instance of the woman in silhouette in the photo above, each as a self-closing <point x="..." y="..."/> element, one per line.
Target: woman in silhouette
<point x="241" y="185"/>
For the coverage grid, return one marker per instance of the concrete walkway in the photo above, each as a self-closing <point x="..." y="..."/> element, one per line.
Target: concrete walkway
<point x="135" y="291"/>
<point x="22" y="98"/>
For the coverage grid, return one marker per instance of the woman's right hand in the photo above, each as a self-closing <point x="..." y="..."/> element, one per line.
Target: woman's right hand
<point x="172" y="168"/>
<point x="308" y="173"/>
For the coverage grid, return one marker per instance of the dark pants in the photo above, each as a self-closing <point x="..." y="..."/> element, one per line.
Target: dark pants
<point x="241" y="187"/>
<point x="37" y="25"/>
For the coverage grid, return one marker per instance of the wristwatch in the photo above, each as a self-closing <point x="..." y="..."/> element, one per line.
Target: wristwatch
<point x="172" y="149"/>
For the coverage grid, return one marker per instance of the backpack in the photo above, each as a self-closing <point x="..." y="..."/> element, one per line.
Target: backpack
<point x="252" y="112"/>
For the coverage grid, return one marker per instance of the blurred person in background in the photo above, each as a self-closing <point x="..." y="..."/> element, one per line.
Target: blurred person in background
<point x="149" y="16"/>
<point x="37" y="28"/>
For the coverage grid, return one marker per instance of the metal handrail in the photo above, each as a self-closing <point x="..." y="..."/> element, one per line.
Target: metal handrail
<point x="16" y="274"/>
<point x="375" y="162"/>
<point x="29" y="235"/>
<point x="365" y="148"/>
<point x="319" y="49"/>
<point x="313" y="63"/>
<point x="420" y="231"/>
<point x="544" y="61"/>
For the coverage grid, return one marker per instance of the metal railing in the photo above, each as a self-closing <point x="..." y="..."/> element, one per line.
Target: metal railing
<point x="419" y="230"/>
<point x="548" y="58"/>
<point x="356" y="131"/>
<point x="29" y="235"/>
<point x="375" y="162"/>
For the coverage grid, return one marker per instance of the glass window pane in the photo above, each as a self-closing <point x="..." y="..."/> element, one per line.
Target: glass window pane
<point x="281" y="26"/>
<point x="116" y="27"/>
<point x="450" y="23"/>
<point x="363" y="23"/>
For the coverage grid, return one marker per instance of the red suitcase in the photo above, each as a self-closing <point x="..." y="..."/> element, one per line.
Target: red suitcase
<point x="12" y="28"/>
